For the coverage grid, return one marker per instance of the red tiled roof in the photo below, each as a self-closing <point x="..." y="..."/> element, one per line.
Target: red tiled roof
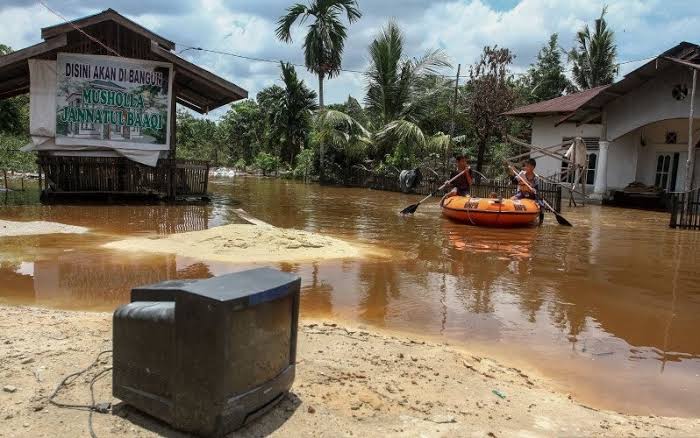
<point x="558" y="105"/>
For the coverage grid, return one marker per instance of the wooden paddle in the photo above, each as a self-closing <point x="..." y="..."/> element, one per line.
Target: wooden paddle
<point x="413" y="207"/>
<point x="560" y="219"/>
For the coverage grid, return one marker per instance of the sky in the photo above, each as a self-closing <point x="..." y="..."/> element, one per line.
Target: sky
<point x="643" y="29"/>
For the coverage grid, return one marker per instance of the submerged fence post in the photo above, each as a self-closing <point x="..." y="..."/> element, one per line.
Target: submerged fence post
<point x="674" y="211"/>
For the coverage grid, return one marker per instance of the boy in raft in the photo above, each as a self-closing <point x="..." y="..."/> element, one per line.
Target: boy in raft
<point x="460" y="186"/>
<point x="528" y="174"/>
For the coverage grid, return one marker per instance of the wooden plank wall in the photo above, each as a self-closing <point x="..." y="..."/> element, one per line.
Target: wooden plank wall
<point x="116" y="175"/>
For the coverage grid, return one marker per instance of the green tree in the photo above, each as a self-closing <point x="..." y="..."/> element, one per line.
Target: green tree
<point x="271" y="100"/>
<point x="546" y="75"/>
<point x="305" y="164"/>
<point x="12" y="159"/>
<point x="200" y="139"/>
<point x="594" y="55"/>
<point x="490" y="93"/>
<point x="395" y="98"/>
<point x="14" y="112"/>
<point x="243" y="130"/>
<point x="352" y="108"/>
<point x="266" y="163"/>
<point x="291" y="120"/>
<point x="346" y="138"/>
<point x="325" y="39"/>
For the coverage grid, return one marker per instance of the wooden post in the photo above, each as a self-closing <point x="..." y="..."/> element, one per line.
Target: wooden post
<point x="171" y="166"/>
<point x="690" y="164"/>
<point x="173" y="120"/>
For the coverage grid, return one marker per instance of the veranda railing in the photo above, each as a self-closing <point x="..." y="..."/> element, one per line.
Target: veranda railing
<point x="685" y="210"/>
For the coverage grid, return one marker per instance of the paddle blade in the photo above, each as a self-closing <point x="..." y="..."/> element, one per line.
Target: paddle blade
<point x="410" y="209"/>
<point x="562" y="220"/>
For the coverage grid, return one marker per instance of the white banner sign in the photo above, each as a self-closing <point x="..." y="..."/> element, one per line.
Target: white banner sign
<point x="113" y="102"/>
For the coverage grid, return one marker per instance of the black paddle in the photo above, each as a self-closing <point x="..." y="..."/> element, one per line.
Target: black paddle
<point x="560" y="219"/>
<point x="413" y="207"/>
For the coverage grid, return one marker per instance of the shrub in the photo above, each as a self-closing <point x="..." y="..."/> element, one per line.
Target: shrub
<point x="305" y="164"/>
<point x="267" y="163"/>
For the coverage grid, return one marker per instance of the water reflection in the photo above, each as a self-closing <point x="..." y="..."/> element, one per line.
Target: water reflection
<point x="609" y="306"/>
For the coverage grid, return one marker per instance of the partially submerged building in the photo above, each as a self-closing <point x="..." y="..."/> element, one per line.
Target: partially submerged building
<point x="636" y="130"/>
<point x="103" y="94"/>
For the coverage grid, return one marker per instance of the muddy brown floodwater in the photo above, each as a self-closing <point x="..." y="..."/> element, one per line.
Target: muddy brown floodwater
<point x="609" y="309"/>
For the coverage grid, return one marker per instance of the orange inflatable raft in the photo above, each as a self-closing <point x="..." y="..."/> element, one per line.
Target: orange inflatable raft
<point x="490" y="212"/>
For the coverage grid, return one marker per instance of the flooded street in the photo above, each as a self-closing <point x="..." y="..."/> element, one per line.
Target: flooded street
<point x="610" y="309"/>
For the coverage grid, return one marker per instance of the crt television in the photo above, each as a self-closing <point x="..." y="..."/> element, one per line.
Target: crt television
<point x="207" y="356"/>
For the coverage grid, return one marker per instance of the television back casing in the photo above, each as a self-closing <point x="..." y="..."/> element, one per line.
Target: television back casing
<point x="207" y="356"/>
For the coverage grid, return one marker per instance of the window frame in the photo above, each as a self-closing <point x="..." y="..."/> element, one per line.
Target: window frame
<point x="592" y="148"/>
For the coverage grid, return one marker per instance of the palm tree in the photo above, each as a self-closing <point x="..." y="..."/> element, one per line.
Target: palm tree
<point x="396" y="95"/>
<point x="291" y="119"/>
<point x="343" y="134"/>
<point x="594" y="55"/>
<point x="325" y="40"/>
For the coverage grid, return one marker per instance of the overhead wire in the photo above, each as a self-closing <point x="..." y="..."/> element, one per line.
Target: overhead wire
<point x="451" y="77"/>
<point x="90" y="37"/>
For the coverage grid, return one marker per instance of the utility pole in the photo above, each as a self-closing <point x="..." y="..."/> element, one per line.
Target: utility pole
<point x="690" y="163"/>
<point x="454" y="102"/>
<point x="454" y="112"/>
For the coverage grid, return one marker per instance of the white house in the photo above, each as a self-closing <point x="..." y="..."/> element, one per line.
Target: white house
<point x="635" y="130"/>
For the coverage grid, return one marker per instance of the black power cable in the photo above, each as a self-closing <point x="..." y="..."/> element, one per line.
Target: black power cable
<point x="102" y="408"/>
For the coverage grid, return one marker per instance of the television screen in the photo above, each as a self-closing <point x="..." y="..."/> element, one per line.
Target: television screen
<point x="260" y="345"/>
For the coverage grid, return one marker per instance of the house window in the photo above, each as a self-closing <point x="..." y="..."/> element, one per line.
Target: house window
<point x="667" y="171"/>
<point x="592" y="147"/>
<point x="663" y="168"/>
<point x="671" y="137"/>
<point x="592" y="163"/>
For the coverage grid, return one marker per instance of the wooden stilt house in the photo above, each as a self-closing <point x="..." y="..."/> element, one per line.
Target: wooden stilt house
<point x="103" y="94"/>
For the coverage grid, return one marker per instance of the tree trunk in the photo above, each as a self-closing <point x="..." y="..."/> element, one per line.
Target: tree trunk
<point x="321" y="170"/>
<point x="4" y="172"/>
<point x="480" y="155"/>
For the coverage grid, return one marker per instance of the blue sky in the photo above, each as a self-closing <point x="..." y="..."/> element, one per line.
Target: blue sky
<point x="643" y="28"/>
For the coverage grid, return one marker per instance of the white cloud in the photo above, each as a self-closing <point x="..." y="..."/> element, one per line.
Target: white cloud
<point x="461" y="27"/>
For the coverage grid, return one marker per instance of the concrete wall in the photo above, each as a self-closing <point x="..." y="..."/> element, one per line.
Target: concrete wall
<point x="622" y="160"/>
<point x="650" y="103"/>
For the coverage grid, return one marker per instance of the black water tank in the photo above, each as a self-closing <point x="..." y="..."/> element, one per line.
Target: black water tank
<point x="206" y="356"/>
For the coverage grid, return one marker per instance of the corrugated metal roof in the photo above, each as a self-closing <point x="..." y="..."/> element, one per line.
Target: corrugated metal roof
<point x="558" y="105"/>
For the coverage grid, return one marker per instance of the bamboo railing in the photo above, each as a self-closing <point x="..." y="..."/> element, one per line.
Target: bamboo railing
<point x="116" y="175"/>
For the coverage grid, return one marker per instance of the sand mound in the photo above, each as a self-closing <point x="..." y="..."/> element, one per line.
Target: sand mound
<point x="245" y="243"/>
<point x="12" y="228"/>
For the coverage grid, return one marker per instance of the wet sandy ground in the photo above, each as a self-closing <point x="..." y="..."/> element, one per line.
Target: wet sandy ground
<point x="350" y="382"/>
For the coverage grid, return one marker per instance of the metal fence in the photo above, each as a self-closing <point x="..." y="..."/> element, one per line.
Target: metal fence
<point x="362" y="177"/>
<point x="685" y="210"/>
